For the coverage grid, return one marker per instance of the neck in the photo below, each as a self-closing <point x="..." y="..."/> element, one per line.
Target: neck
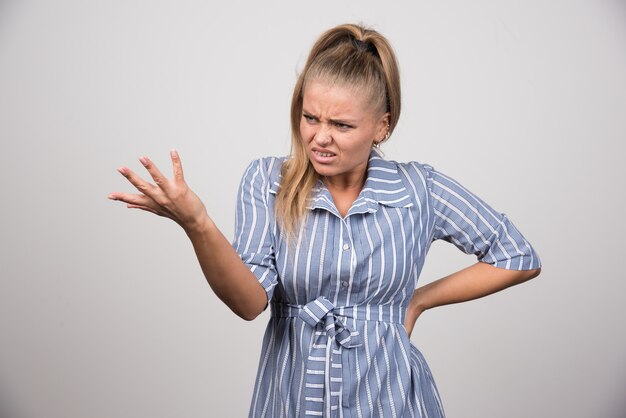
<point x="350" y="182"/>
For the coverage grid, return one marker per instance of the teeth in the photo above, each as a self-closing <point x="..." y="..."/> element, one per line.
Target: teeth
<point x="325" y="154"/>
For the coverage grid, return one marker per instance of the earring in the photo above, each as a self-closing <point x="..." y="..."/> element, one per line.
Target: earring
<point x="387" y="134"/>
<point x="377" y="144"/>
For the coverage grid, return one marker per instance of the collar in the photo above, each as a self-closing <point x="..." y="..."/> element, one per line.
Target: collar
<point x="383" y="186"/>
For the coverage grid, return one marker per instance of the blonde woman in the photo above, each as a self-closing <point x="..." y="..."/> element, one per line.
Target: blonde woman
<point x="333" y="239"/>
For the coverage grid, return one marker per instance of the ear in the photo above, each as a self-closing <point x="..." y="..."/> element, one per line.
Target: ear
<point x="381" y="131"/>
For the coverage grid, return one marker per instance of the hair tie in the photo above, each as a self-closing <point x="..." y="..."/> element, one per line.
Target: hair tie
<point x="364" y="46"/>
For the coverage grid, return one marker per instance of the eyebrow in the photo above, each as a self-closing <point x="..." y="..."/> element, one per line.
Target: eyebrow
<point x="335" y="121"/>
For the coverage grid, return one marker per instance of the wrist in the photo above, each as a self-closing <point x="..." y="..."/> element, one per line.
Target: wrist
<point x="199" y="227"/>
<point x="416" y="305"/>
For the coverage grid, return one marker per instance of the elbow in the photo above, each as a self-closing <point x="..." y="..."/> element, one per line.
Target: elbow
<point x="249" y="303"/>
<point x="249" y="313"/>
<point x="533" y="273"/>
<point x="248" y="316"/>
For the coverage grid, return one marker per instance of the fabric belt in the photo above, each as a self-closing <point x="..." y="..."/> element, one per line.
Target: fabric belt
<point x="321" y="307"/>
<point x="321" y="312"/>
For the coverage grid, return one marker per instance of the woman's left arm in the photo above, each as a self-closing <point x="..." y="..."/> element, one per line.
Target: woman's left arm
<point x="473" y="282"/>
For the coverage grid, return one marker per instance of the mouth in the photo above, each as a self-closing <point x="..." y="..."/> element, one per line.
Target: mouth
<point x="324" y="154"/>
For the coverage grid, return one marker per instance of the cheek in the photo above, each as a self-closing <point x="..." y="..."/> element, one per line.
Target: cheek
<point x="305" y="131"/>
<point x="358" y="149"/>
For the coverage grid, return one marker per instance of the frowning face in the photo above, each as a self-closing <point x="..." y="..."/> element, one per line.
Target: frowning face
<point x="339" y="125"/>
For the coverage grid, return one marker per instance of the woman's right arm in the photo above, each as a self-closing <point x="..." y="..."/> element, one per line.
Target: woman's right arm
<point x="231" y="279"/>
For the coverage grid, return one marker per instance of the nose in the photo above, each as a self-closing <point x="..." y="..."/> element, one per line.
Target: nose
<point x="323" y="135"/>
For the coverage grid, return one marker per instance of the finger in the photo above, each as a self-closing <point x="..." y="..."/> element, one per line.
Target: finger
<point x="133" y="199"/>
<point x="141" y="185"/>
<point x="146" y="208"/>
<point x="141" y="202"/>
<point x="155" y="173"/>
<point x="177" y="166"/>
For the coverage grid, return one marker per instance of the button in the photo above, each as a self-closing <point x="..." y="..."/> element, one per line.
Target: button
<point x="344" y="283"/>
<point x="346" y="247"/>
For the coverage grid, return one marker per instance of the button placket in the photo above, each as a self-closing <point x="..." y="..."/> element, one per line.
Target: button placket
<point x="347" y="258"/>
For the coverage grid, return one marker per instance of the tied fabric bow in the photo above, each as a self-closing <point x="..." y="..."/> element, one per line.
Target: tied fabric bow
<point x="322" y="309"/>
<point x="326" y="347"/>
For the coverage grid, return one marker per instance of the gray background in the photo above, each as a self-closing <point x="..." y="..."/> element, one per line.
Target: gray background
<point x="104" y="311"/>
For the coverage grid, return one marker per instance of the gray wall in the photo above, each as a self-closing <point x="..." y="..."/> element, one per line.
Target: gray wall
<point x="104" y="311"/>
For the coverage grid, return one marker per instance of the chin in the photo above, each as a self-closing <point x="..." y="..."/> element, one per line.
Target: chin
<point x="323" y="170"/>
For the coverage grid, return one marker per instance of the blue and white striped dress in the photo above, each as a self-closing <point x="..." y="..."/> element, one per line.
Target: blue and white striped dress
<point x="335" y="345"/>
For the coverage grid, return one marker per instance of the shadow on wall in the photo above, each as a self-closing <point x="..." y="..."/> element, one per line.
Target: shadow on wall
<point x="619" y="409"/>
<point x="7" y="9"/>
<point x="6" y="409"/>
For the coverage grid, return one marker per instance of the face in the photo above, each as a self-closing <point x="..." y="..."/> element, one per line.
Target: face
<point x="339" y="125"/>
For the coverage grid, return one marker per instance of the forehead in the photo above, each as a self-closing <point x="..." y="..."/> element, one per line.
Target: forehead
<point x="335" y="99"/>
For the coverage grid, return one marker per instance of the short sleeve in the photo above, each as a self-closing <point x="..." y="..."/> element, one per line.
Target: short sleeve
<point x="472" y="225"/>
<point x="253" y="239"/>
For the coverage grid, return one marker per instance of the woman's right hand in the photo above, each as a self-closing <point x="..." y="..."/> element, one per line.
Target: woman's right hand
<point x="231" y="280"/>
<point x="170" y="198"/>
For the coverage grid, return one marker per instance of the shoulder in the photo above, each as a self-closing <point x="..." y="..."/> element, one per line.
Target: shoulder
<point x="418" y="173"/>
<point x="263" y="173"/>
<point x="440" y="185"/>
<point x="267" y="167"/>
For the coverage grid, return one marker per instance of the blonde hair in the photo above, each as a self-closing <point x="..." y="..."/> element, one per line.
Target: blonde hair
<point x="352" y="56"/>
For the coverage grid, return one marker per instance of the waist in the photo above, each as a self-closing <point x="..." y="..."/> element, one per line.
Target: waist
<point x="392" y="313"/>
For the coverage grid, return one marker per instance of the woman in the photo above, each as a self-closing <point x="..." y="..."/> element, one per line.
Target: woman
<point x="334" y="237"/>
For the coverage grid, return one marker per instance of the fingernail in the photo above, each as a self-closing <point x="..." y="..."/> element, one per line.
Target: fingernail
<point x="143" y="160"/>
<point x="122" y="170"/>
<point x="173" y="152"/>
<point x="112" y="197"/>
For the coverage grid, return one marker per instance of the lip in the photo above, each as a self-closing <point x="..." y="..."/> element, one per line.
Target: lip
<point x="316" y="154"/>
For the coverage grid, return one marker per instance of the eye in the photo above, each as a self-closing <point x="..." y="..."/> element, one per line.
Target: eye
<point x="343" y="126"/>
<point x="309" y="118"/>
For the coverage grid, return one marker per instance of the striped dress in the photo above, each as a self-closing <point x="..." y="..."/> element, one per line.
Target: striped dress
<point x="335" y="344"/>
